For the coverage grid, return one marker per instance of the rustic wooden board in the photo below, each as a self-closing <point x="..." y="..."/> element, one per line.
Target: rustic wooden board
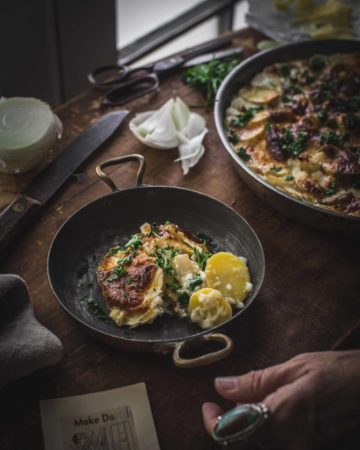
<point x="310" y="296"/>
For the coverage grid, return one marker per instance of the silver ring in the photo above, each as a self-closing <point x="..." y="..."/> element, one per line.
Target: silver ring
<point x="240" y="424"/>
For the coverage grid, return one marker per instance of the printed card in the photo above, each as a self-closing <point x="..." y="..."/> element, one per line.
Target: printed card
<point x="118" y="419"/>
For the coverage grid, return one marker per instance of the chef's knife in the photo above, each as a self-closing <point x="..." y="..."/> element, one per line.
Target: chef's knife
<point x="47" y="182"/>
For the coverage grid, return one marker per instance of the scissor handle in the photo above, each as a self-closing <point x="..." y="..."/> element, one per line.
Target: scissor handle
<point x="131" y="89"/>
<point x="119" y="72"/>
<point x="113" y="75"/>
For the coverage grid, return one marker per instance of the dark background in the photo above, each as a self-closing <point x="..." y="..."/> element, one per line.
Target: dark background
<point x="49" y="46"/>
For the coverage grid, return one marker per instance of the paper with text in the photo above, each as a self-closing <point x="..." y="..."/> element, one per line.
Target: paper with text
<point x="118" y="419"/>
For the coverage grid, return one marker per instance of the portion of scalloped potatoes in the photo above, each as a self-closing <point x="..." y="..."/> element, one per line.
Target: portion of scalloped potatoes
<point x="166" y="270"/>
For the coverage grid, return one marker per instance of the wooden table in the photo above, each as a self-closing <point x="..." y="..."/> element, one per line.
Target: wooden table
<point x="309" y="299"/>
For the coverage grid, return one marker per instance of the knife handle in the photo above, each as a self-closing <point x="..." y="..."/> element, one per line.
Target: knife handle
<point x="15" y="217"/>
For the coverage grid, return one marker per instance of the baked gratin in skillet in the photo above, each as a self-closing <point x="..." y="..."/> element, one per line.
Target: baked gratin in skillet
<point x="313" y="209"/>
<point x="297" y="125"/>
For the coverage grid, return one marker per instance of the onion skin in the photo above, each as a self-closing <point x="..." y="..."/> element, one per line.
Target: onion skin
<point x="28" y="129"/>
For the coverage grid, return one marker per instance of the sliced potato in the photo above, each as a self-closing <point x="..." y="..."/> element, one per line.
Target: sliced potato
<point x="247" y="134"/>
<point x="266" y="80"/>
<point x="228" y="274"/>
<point x="239" y="104"/>
<point x="259" y="117"/>
<point x="208" y="308"/>
<point x="259" y="94"/>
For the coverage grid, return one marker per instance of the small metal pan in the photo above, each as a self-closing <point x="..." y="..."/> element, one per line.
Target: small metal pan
<point x="89" y="233"/>
<point x="301" y="211"/>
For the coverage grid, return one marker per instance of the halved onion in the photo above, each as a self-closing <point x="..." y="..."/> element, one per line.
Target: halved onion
<point x="28" y="129"/>
<point x="173" y="125"/>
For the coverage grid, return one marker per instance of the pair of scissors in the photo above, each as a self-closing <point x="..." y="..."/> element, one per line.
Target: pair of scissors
<point x="129" y="83"/>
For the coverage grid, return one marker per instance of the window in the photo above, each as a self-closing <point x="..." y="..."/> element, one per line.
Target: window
<point x="137" y="18"/>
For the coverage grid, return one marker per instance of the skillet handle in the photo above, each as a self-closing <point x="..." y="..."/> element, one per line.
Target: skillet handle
<point x="203" y="360"/>
<point x="121" y="159"/>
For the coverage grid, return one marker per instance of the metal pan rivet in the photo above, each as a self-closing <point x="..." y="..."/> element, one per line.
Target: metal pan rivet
<point x="18" y="207"/>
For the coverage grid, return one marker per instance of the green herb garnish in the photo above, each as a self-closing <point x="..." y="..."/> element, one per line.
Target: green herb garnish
<point x="201" y="257"/>
<point x="163" y="258"/>
<point x="286" y="98"/>
<point x="285" y="71"/>
<point x="316" y="63"/>
<point x="135" y="242"/>
<point x="293" y="89"/>
<point x="243" y="154"/>
<point x="204" y="239"/>
<point x="333" y="138"/>
<point x="288" y="178"/>
<point x="174" y="287"/>
<point x="120" y="270"/>
<point x="246" y="115"/>
<point x="96" y="309"/>
<point x="195" y="281"/>
<point x="322" y="115"/>
<point x="294" y="144"/>
<point x="332" y="189"/>
<point x="208" y="77"/>
<point x="184" y="298"/>
<point x="233" y="139"/>
<point x="115" y="250"/>
<point x="275" y="168"/>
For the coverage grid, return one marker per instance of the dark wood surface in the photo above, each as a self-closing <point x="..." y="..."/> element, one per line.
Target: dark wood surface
<point x="309" y="299"/>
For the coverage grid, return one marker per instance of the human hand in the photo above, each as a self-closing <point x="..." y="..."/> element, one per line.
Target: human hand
<point x="313" y="398"/>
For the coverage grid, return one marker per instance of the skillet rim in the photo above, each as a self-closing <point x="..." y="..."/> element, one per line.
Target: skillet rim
<point x="343" y="45"/>
<point x="262" y="266"/>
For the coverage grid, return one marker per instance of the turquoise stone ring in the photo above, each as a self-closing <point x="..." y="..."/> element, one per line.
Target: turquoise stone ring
<point x="240" y="423"/>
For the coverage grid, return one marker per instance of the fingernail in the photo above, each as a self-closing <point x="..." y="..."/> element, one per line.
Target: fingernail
<point x="227" y="383"/>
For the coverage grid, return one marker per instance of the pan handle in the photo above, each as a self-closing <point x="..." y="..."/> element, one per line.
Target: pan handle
<point x="203" y="360"/>
<point x="121" y="159"/>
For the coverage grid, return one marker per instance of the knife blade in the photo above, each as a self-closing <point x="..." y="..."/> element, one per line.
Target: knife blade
<point x="52" y="177"/>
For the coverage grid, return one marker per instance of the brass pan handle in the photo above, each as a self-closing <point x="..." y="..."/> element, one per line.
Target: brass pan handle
<point x="121" y="159"/>
<point x="203" y="360"/>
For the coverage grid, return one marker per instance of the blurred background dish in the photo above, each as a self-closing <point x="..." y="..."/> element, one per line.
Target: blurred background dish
<point x="295" y="20"/>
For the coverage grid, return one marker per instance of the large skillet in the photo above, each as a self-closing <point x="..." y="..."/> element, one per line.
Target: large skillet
<point x="89" y="233"/>
<point x="303" y="212"/>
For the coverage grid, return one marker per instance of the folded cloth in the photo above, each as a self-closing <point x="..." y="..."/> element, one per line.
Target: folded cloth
<point x="25" y="345"/>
